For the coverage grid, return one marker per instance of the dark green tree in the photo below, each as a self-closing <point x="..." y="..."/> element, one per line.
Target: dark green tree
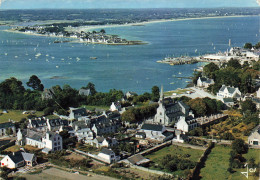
<point x="92" y="88"/>
<point x="209" y="70"/>
<point x="248" y="105"/>
<point x="35" y="83"/>
<point x="103" y="31"/>
<point x="248" y="46"/>
<point x="155" y="93"/>
<point x="239" y="146"/>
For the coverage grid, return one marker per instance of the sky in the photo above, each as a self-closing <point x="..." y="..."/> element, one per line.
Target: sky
<point x="84" y="4"/>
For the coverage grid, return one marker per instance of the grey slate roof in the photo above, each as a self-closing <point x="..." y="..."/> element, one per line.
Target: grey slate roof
<point x="16" y="157"/>
<point x="137" y="159"/>
<point x="6" y="125"/>
<point x="153" y="127"/>
<point x="167" y="133"/>
<point x="80" y="111"/>
<point x="100" y="139"/>
<point x="230" y="89"/>
<point x="106" y="151"/>
<point x="27" y="156"/>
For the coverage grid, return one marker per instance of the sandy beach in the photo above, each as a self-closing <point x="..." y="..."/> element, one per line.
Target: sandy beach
<point x="89" y="28"/>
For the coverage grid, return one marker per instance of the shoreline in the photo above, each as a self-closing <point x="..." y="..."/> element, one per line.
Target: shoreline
<point x="85" y="28"/>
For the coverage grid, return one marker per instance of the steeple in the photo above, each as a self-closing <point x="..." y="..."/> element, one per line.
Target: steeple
<point x="161" y="94"/>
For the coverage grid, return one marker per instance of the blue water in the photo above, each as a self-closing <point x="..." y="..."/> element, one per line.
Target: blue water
<point x="129" y="68"/>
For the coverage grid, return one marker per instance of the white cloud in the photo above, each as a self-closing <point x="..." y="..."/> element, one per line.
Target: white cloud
<point x="258" y="2"/>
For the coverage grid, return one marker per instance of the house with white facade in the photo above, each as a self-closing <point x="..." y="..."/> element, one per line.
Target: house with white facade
<point x="82" y="134"/>
<point x="108" y="155"/>
<point x="47" y="141"/>
<point x="254" y="137"/>
<point x="115" y="106"/>
<point x="228" y="92"/>
<point x="156" y="132"/>
<point x="186" y="124"/>
<point x="99" y="142"/>
<point x="204" y="82"/>
<point x="18" y="159"/>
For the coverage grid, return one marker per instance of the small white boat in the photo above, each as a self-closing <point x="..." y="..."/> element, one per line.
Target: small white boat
<point x="57" y="66"/>
<point x="38" y="54"/>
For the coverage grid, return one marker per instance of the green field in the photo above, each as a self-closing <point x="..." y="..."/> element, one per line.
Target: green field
<point x="218" y="162"/>
<point x="175" y="150"/>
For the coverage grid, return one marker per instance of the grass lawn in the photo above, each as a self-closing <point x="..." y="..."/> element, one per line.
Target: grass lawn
<point x="14" y="148"/>
<point x="217" y="164"/>
<point x="175" y="150"/>
<point x="15" y="115"/>
<point x="92" y="108"/>
<point x="252" y="153"/>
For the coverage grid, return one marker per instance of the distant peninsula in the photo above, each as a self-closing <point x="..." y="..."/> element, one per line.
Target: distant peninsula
<point x="93" y="37"/>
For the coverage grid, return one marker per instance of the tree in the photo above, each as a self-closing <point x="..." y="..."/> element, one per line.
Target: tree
<point x="103" y="31"/>
<point x="239" y="146"/>
<point x="234" y="63"/>
<point x="248" y="46"/>
<point x="257" y="46"/>
<point x="35" y="83"/>
<point x="199" y="106"/>
<point x="91" y="87"/>
<point x="248" y="105"/>
<point x="48" y="111"/>
<point x="155" y="93"/>
<point x="210" y="69"/>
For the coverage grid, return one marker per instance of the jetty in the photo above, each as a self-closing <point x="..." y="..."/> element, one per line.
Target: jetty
<point x="179" y="60"/>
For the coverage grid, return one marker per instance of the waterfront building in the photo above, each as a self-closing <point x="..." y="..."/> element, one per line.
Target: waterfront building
<point x="228" y="92"/>
<point x="204" y="82"/>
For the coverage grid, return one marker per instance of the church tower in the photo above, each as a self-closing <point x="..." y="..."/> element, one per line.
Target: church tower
<point x="161" y="95"/>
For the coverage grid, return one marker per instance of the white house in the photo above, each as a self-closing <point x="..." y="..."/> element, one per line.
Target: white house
<point x="83" y="134"/>
<point x="18" y="159"/>
<point x="108" y="155"/>
<point x="228" y="92"/>
<point x="48" y="141"/>
<point x="204" y="82"/>
<point x="103" y="142"/>
<point x="155" y="132"/>
<point x="115" y="106"/>
<point x="254" y="137"/>
<point x="186" y="124"/>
